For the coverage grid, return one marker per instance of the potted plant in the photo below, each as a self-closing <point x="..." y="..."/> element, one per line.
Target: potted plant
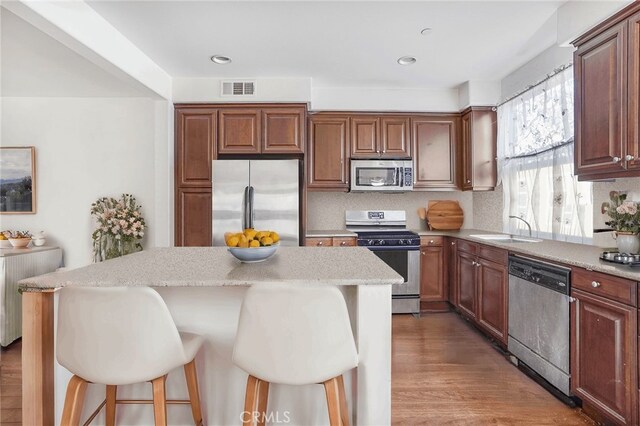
<point x="119" y="227"/>
<point x="625" y="221"/>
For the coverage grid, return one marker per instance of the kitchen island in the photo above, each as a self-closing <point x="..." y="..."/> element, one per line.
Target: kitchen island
<point x="203" y="288"/>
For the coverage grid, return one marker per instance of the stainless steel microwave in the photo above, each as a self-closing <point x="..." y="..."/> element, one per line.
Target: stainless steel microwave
<point x="381" y="175"/>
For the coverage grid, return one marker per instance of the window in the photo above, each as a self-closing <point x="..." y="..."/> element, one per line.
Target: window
<point x="535" y="164"/>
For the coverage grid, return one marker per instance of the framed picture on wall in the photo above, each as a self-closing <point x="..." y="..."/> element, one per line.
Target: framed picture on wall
<point x="17" y="180"/>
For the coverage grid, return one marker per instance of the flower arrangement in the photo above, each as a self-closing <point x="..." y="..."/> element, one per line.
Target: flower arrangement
<point x="624" y="214"/>
<point x="119" y="227"/>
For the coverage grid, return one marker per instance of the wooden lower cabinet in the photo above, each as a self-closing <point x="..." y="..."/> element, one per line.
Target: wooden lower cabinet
<point x="193" y="217"/>
<point x="433" y="285"/>
<point x="452" y="270"/>
<point x="604" y="369"/>
<point x="493" y="287"/>
<point x="330" y="242"/>
<point x="466" y="283"/>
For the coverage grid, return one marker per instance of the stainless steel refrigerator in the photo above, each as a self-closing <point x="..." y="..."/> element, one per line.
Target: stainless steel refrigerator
<point x="260" y="194"/>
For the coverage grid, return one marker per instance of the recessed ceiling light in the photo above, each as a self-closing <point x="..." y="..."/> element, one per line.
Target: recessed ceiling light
<point x="426" y="31"/>
<point x="407" y="60"/>
<point x="220" y="59"/>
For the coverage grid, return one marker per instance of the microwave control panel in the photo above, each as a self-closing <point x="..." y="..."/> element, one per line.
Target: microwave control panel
<point x="408" y="176"/>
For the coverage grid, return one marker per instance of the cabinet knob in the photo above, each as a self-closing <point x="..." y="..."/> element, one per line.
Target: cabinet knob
<point x="320" y="243"/>
<point x="468" y="180"/>
<point x="616" y="159"/>
<point x="629" y="157"/>
<point x="453" y="243"/>
<point x="344" y="243"/>
<point x="431" y="242"/>
<point x="595" y="284"/>
<point x="572" y="299"/>
<point x="423" y="252"/>
<point x="478" y="264"/>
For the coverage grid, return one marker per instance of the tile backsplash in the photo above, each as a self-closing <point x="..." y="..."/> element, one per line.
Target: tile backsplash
<point x="325" y="210"/>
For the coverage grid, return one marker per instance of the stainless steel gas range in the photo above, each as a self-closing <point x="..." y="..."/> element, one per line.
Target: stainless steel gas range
<point x="384" y="233"/>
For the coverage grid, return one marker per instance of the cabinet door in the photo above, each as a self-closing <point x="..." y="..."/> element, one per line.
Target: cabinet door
<point x="432" y="286"/>
<point x="492" y="299"/>
<point x="632" y="154"/>
<point x="318" y="242"/>
<point x="365" y="137"/>
<point x="328" y="153"/>
<point x="193" y="217"/>
<point x="466" y="176"/>
<point x="195" y="146"/>
<point x="283" y="130"/>
<point x="466" y="278"/>
<point x="434" y="151"/>
<point x="395" y="137"/>
<point x="239" y="131"/>
<point x="600" y="72"/>
<point x="452" y="270"/>
<point x="603" y="356"/>
<point x="344" y="242"/>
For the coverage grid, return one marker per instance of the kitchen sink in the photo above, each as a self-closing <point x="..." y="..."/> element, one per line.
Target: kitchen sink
<point x="506" y="238"/>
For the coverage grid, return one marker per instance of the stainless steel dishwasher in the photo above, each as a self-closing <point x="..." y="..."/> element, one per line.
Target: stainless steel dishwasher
<point x="539" y="321"/>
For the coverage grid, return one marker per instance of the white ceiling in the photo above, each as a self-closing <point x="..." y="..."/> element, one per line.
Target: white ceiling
<point x="338" y="44"/>
<point x="36" y="65"/>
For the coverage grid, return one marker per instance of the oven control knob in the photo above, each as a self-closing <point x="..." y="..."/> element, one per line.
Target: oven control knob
<point x="380" y="242"/>
<point x="369" y="242"/>
<point x="401" y="242"/>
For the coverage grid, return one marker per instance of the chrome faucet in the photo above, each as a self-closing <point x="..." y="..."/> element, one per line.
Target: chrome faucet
<point x="525" y="222"/>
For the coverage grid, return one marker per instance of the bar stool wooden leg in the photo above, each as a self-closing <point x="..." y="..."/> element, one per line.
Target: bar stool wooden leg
<point x="111" y="405"/>
<point x="194" y="394"/>
<point x="336" y="402"/>
<point x="255" y="403"/>
<point x="159" y="401"/>
<point x="344" y="410"/>
<point x="73" y="402"/>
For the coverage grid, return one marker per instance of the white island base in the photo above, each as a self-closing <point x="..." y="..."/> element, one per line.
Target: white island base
<point x="213" y="312"/>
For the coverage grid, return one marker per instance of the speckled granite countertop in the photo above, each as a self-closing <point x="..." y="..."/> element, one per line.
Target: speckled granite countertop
<point x="330" y="233"/>
<point x="215" y="267"/>
<point x="582" y="255"/>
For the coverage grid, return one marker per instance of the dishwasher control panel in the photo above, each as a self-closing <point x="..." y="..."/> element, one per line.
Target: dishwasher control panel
<point x="554" y="277"/>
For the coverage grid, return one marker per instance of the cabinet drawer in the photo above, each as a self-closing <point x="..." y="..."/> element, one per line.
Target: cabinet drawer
<point x="611" y="287"/>
<point x="319" y="242"/>
<point x="435" y="241"/>
<point x="467" y="246"/>
<point x="344" y="241"/>
<point x="494" y="254"/>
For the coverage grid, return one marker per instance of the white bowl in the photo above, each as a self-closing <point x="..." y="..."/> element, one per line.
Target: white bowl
<point x="19" y="242"/>
<point x="5" y="244"/>
<point x="253" y="254"/>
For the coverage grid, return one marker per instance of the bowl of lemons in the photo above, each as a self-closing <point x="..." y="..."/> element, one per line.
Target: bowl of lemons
<point x="251" y="246"/>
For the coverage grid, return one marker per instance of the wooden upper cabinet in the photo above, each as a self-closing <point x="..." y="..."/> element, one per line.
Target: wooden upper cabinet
<point x="239" y="131"/>
<point x="600" y="71"/>
<point x="478" y="149"/>
<point x="283" y="130"/>
<point x="632" y="154"/>
<point x="395" y="137"/>
<point x="434" y="151"/>
<point x="604" y="370"/>
<point x="195" y="146"/>
<point x="365" y="137"/>
<point x="328" y="153"/>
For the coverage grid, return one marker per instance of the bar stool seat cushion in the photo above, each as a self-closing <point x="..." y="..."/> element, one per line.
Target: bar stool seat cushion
<point x="294" y="335"/>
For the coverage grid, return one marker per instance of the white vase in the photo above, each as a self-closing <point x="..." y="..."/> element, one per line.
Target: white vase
<point x="627" y="242"/>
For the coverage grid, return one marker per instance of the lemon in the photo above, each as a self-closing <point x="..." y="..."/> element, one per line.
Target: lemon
<point x="267" y="241"/>
<point x="243" y="243"/>
<point x="233" y="241"/>
<point x="275" y="237"/>
<point x="254" y="243"/>
<point x="250" y="233"/>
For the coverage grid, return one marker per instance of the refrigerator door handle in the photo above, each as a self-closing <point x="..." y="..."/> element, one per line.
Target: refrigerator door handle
<point x="245" y="208"/>
<point x="251" y="215"/>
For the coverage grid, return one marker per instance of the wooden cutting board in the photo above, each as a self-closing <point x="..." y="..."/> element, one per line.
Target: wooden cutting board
<point x="444" y="215"/>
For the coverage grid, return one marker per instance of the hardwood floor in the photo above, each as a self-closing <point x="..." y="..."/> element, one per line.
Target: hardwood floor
<point x="444" y="373"/>
<point x="11" y="385"/>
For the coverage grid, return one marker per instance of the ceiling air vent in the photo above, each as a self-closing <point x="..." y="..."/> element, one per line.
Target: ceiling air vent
<point x="238" y="88"/>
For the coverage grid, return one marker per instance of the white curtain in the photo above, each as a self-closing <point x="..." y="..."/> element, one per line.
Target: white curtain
<point x="535" y="164"/>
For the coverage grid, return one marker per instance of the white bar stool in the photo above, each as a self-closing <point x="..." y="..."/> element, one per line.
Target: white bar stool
<point x="119" y="336"/>
<point x="294" y="335"/>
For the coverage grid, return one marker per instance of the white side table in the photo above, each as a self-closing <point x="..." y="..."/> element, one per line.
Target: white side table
<point x="16" y="264"/>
